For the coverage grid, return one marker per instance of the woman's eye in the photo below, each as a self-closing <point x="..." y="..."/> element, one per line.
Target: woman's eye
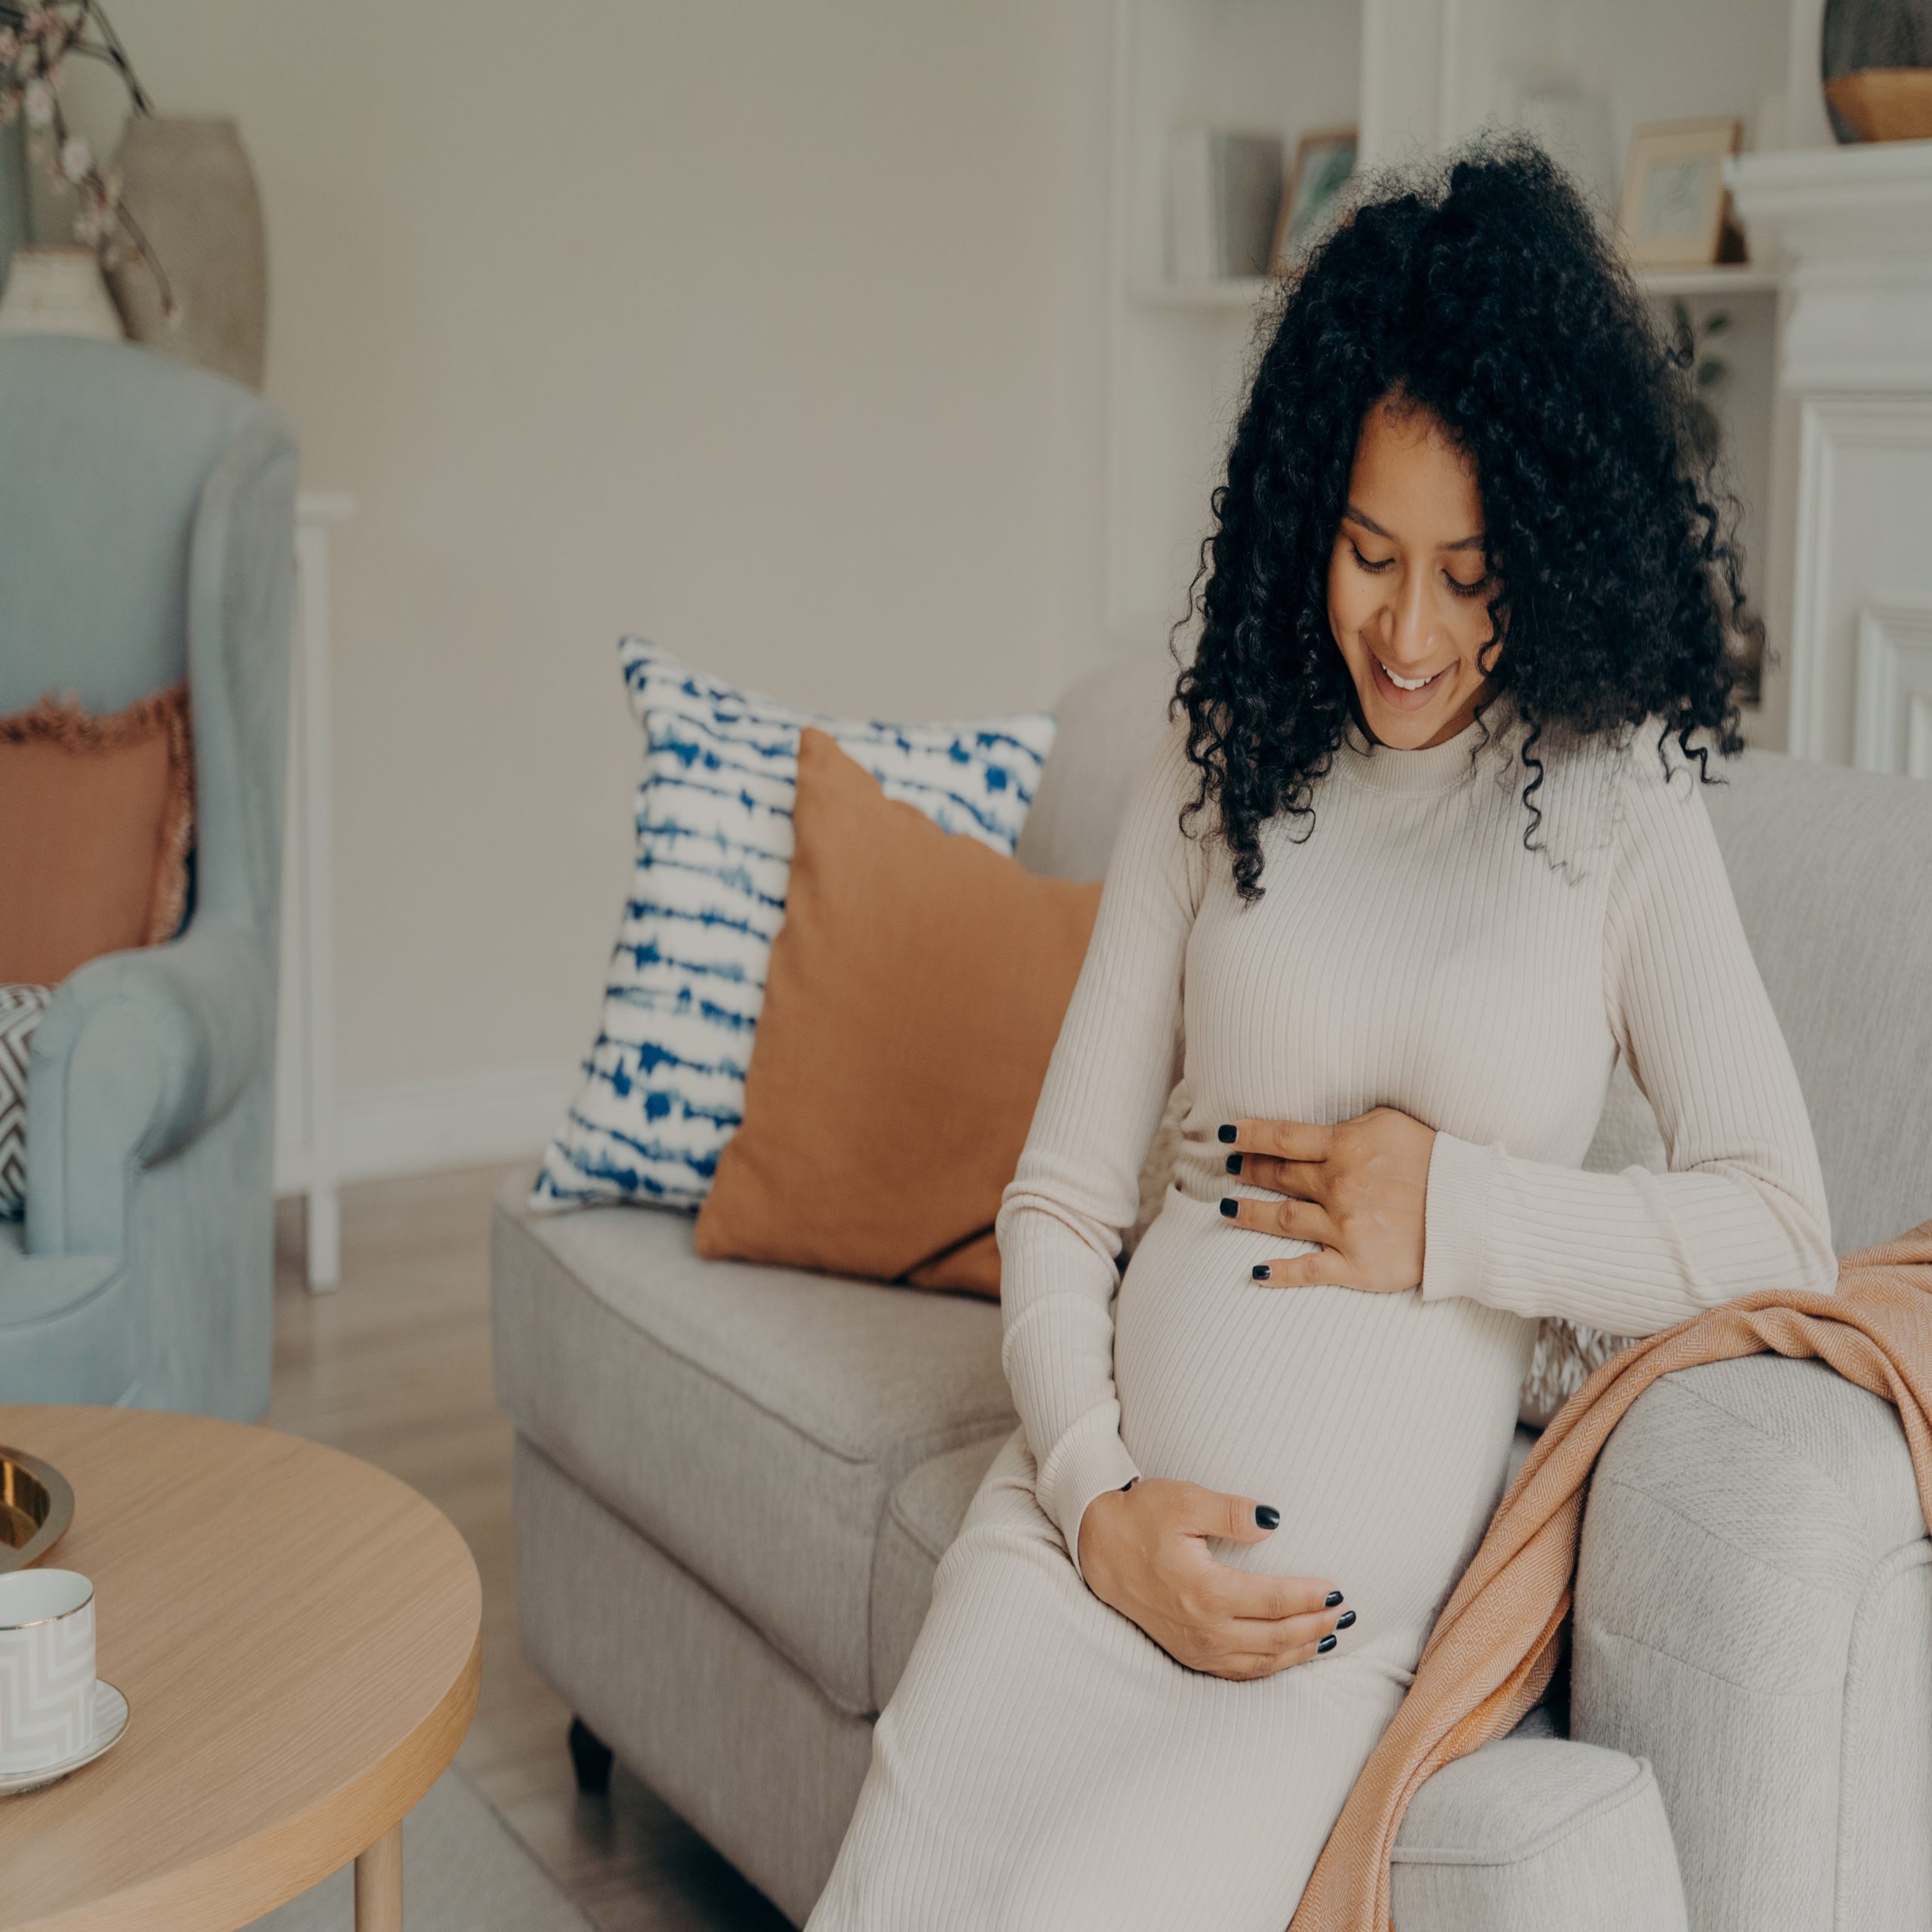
<point x="1375" y="569"/>
<point x="1462" y="590"/>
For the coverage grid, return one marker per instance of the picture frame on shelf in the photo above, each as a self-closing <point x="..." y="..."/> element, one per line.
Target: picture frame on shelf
<point x="1675" y="210"/>
<point x="1324" y="160"/>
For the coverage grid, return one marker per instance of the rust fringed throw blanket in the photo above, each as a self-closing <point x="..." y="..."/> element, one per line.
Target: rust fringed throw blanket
<point x="1491" y="1656"/>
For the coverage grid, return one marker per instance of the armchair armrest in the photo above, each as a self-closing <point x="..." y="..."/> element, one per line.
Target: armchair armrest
<point x="137" y="1053"/>
<point x="70" y="1310"/>
<point x="1753" y="1615"/>
<point x="1536" y="1834"/>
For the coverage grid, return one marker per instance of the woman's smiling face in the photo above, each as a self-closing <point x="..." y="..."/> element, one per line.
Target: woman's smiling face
<point x="1408" y="581"/>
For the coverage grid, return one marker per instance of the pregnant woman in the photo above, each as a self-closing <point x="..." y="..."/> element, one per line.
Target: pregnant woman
<point x="1422" y="849"/>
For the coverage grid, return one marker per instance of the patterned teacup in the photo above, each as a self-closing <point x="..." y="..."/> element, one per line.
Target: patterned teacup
<point x="46" y="1669"/>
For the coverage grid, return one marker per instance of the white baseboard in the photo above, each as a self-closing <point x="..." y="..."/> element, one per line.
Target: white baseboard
<point x="502" y="1113"/>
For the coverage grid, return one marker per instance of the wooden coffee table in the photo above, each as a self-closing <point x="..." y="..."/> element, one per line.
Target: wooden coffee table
<point x="297" y="1635"/>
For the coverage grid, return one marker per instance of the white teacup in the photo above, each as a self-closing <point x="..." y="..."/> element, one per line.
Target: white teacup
<point x="46" y="1668"/>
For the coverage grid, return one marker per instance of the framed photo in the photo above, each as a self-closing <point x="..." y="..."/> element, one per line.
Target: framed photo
<point x="1324" y="162"/>
<point x="1674" y="201"/>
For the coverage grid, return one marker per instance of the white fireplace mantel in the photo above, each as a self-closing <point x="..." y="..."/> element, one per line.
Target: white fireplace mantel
<point x="1813" y="202"/>
<point x="1852" y="228"/>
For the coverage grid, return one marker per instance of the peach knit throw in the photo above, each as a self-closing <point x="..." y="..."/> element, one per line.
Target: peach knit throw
<point x="1491" y="1653"/>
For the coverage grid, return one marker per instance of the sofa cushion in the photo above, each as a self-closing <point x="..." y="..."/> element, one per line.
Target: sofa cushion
<point x="67" y="1317"/>
<point x="1530" y="1832"/>
<point x="1108" y="722"/>
<point x="664" y="1083"/>
<point x="1822" y="860"/>
<point x="915" y="991"/>
<point x="751" y="1421"/>
<point x="97" y="816"/>
<point x="922" y="1519"/>
<point x="20" y="1010"/>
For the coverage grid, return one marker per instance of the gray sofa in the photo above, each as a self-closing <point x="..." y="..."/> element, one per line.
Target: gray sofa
<point x="733" y="1482"/>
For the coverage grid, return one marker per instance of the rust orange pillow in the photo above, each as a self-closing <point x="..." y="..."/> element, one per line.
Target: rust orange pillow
<point x="96" y="818"/>
<point x="916" y="988"/>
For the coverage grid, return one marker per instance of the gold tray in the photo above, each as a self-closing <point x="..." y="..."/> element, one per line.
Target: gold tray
<point x="36" y="1505"/>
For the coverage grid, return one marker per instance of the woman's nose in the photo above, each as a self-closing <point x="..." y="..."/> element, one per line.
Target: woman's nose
<point x="1410" y="630"/>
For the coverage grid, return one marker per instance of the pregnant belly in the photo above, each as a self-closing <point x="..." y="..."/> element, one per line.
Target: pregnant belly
<point x="1378" y="1424"/>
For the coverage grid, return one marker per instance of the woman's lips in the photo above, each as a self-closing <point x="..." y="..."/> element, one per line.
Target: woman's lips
<point x="1393" y="693"/>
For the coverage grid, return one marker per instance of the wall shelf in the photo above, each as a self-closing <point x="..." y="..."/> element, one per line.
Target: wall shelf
<point x="1726" y="279"/>
<point x="1244" y="291"/>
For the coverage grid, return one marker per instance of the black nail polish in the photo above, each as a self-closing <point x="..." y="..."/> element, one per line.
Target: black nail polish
<point x="1261" y="1271"/>
<point x="1267" y="1515"/>
<point x="1331" y="1600"/>
<point x="1226" y="1131"/>
<point x="1230" y="1206"/>
<point x="1327" y="1642"/>
<point x="1234" y="1164"/>
<point x="1342" y="1621"/>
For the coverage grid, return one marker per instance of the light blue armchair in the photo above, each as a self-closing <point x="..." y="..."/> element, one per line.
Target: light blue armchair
<point x="148" y="513"/>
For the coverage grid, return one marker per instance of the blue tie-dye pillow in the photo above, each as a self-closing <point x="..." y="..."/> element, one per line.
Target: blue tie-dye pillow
<point x="664" y="1087"/>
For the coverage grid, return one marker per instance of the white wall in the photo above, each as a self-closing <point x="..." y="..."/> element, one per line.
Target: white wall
<point x="767" y="327"/>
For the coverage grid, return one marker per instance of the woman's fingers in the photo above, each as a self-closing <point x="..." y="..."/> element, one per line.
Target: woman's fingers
<point x="1252" y="1598"/>
<point x="1210" y="1615"/>
<point x="1302" y="1178"/>
<point x="1324" y="1269"/>
<point x="1213" y="1512"/>
<point x="1267" y="1657"/>
<point x="1287" y="1139"/>
<point x="1289" y="1633"/>
<point x="1294" y="1220"/>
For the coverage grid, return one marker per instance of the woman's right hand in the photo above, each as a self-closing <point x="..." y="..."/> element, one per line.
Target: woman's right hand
<point x="1144" y="1551"/>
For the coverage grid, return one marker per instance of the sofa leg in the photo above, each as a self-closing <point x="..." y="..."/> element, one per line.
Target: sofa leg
<point x="590" y="1758"/>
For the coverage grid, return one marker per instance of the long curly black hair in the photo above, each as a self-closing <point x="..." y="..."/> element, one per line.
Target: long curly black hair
<point x="1483" y="292"/>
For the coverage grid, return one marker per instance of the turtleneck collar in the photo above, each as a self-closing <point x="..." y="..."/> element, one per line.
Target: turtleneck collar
<point x="1433" y="768"/>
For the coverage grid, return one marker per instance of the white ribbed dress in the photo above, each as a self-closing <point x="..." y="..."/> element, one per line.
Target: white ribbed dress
<point x="1043" y="1763"/>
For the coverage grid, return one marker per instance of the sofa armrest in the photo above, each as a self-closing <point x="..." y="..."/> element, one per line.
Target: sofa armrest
<point x="1538" y="1835"/>
<point x="1752" y="1617"/>
<point x="138" y="1052"/>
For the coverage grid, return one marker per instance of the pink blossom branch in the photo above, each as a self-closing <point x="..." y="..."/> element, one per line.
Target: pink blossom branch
<point x="34" y="40"/>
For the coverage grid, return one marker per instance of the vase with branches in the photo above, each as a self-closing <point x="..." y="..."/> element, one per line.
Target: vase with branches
<point x="36" y="42"/>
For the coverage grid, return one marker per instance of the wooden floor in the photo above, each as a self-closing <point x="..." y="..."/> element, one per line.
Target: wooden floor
<point x="395" y="1366"/>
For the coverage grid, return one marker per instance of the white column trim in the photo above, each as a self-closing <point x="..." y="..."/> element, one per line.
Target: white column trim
<point x="1894" y="727"/>
<point x="1826" y="425"/>
<point x="307" y="1015"/>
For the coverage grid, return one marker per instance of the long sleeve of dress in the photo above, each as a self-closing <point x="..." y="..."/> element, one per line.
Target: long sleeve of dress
<point x="1743" y="1206"/>
<point x="1075" y="1192"/>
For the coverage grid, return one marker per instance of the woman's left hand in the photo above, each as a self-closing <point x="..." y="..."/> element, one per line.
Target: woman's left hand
<point x="1360" y="1188"/>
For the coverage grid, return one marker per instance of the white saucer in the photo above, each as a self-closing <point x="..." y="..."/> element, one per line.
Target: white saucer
<point x="110" y="1721"/>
